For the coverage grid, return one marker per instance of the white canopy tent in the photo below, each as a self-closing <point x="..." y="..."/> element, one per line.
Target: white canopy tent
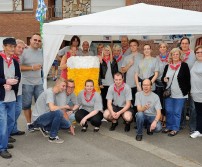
<point x="138" y="19"/>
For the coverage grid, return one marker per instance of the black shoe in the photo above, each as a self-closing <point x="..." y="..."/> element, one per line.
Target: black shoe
<point x="44" y="132"/>
<point x="5" y="154"/>
<point x="127" y="127"/>
<point x="96" y="129"/>
<point x="84" y="128"/>
<point x="11" y="140"/>
<point x="10" y="146"/>
<point x="30" y="128"/>
<point x="139" y="137"/>
<point x="113" y="127"/>
<point x="149" y="132"/>
<point x="18" y="133"/>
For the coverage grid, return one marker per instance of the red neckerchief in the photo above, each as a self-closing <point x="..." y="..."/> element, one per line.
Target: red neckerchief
<point x="186" y="55"/>
<point x="106" y="60"/>
<point x="175" y="67"/>
<point x="118" y="59"/>
<point x="85" y="97"/>
<point x="16" y="58"/>
<point x="119" y="90"/>
<point x="164" y="59"/>
<point x="124" y="49"/>
<point x="8" y="61"/>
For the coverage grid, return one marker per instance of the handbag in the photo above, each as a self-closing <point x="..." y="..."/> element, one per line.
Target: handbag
<point x="167" y="92"/>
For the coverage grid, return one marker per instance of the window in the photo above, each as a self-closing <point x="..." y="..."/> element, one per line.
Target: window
<point x="6" y="5"/>
<point x="27" y="4"/>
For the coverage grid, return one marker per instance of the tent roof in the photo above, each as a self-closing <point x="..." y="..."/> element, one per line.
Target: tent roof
<point x="138" y="19"/>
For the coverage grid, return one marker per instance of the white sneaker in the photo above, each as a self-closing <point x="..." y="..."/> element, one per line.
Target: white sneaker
<point x="196" y="134"/>
<point x="55" y="140"/>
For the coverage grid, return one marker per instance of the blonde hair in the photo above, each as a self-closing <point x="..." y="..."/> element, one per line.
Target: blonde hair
<point x="60" y="80"/>
<point x="19" y="41"/>
<point x="108" y="48"/>
<point x="117" y="47"/>
<point x="163" y="43"/>
<point x="170" y="59"/>
<point x="197" y="48"/>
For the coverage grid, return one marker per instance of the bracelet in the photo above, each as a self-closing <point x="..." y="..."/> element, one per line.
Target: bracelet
<point x="32" y="68"/>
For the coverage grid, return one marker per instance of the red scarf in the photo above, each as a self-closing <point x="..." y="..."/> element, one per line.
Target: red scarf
<point x="85" y="97"/>
<point x="125" y="49"/>
<point x="16" y="58"/>
<point x="119" y="90"/>
<point x="106" y="59"/>
<point x="186" y="55"/>
<point x="175" y="66"/>
<point x="164" y="59"/>
<point x="8" y="61"/>
<point x="118" y="59"/>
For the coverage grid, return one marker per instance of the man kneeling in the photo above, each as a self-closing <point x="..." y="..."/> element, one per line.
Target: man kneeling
<point x="149" y="110"/>
<point x="120" y="94"/>
<point x="47" y="116"/>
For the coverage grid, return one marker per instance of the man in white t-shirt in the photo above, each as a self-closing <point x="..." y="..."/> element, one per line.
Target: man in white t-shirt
<point x="149" y="110"/>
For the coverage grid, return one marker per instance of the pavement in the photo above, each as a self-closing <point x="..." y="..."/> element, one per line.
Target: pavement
<point x="105" y="148"/>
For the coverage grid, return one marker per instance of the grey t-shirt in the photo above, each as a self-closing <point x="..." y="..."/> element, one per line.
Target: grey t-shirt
<point x="9" y="73"/>
<point x="127" y="52"/>
<point x="31" y="57"/>
<point x="191" y="60"/>
<point x="94" y="104"/>
<point x="152" y="99"/>
<point x="175" y="88"/>
<point x="41" y="107"/>
<point x="64" y="51"/>
<point x="130" y="74"/>
<point x="119" y="100"/>
<point x="161" y="67"/>
<point x="108" y="76"/>
<point x="62" y="99"/>
<point x="89" y="53"/>
<point x="196" y="82"/>
<point x="147" y="67"/>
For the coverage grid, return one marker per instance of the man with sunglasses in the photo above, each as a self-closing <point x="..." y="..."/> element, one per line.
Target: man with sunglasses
<point x="31" y="65"/>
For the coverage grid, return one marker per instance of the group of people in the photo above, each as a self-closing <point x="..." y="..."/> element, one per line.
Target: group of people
<point x="132" y="87"/>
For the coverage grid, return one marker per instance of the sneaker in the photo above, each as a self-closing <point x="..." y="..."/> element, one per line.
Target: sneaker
<point x="139" y="137"/>
<point x="96" y="129"/>
<point x="84" y="128"/>
<point x="10" y="146"/>
<point x="55" y="140"/>
<point x="127" y="127"/>
<point x="196" y="134"/>
<point x="5" y="154"/>
<point x="11" y="140"/>
<point x="113" y="127"/>
<point x="149" y="132"/>
<point x="30" y="128"/>
<point x="44" y="132"/>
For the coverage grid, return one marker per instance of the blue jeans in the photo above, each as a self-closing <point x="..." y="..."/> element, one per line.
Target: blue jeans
<point x="27" y="92"/>
<point x="65" y="124"/>
<point x="50" y="119"/>
<point x="7" y="119"/>
<point x="174" y="108"/>
<point x="141" y="118"/>
<point x="18" y="109"/>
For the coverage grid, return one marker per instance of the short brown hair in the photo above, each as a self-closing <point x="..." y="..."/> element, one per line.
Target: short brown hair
<point x="89" y="80"/>
<point x="197" y="48"/>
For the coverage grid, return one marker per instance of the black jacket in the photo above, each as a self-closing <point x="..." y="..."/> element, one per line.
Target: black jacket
<point x="3" y="80"/>
<point x="183" y="78"/>
<point x="103" y="69"/>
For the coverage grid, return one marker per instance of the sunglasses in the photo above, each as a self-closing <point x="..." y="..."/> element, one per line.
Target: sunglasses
<point x="37" y="40"/>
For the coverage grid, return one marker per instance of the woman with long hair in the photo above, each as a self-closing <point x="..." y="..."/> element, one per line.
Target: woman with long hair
<point x="108" y="67"/>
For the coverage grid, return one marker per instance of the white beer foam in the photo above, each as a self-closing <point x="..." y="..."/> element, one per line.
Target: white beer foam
<point x="83" y="62"/>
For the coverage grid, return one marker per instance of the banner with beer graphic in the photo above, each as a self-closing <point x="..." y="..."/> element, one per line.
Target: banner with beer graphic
<point x="81" y="68"/>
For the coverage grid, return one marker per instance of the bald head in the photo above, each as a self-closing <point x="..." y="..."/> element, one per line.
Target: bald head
<point x="85" y="46"/>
